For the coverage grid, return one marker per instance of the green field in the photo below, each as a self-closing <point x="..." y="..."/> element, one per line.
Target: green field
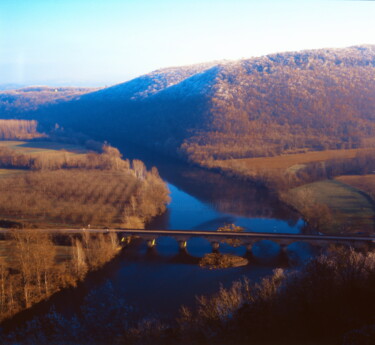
<point x="352" y="211"/>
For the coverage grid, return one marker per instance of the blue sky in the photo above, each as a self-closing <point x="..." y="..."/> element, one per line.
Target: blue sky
<point x="92" y="42"/>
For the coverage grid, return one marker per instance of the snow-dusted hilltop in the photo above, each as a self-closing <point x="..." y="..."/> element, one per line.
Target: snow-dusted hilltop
<point x="151" y="83"/>
<point x="315" y="99"/>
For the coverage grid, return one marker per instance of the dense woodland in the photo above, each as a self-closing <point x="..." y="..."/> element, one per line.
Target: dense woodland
<point x="281" y="103"/>
<point x="319" y="100"/>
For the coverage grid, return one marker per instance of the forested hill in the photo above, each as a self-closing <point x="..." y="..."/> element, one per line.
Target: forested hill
<point x="26" y="99"/>
<point x="319" y="99"/>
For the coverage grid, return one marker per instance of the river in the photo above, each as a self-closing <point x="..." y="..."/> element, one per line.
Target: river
<point x="205" y="200"/>
<point x="159" y="280"/>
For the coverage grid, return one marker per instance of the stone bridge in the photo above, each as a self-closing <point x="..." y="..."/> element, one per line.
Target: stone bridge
<point x="215" y="237"/>
<point x="246" y="238"/>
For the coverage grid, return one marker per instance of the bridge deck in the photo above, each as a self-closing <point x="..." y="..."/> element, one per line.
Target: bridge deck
<point x="245" y="235"/>
<point x="210" y="234"/>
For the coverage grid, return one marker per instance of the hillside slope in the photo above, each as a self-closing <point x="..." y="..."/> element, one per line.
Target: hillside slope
<point x="18" y="101"/>
<point x="317" y="99"/>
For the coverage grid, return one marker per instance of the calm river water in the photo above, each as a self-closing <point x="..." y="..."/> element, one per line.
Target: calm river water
<point x="160" y="280"/>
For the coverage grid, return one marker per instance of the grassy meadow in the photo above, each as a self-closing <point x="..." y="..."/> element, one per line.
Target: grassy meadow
<point x="305" y="181"/>
<point x="365" y="183"/>
<point x="282" y="163"/>
<point x="350" y="210"/>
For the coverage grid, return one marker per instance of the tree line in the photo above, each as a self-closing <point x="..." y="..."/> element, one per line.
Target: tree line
<point x="31" y="268"/>
<point x="281" y="180"/>
<point x="330" y="300"/>
<point x="19" y="129"/>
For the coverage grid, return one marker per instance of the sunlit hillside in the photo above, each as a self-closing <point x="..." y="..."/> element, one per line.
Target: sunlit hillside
<point x="281" y="103"/>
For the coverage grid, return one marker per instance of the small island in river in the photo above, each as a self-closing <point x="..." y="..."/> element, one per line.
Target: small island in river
<point x="217" y="260"/>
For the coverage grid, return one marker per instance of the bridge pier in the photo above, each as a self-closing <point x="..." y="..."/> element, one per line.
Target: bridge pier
<point x="182" y="245"/>
<point x="284" y="257"/>
<point x="249" y="251"/>
<point x="215" y="247"/>
<point x="125" y="240"/>
<point x="151" y="243"/>
<point x="283" y="247"/>
<point x="357" y="242"/>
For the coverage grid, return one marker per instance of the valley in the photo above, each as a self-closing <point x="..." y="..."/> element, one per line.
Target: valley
<point x="187" y="172"/>
<point x="259" y="107"/>
<point x="283" y="143"/>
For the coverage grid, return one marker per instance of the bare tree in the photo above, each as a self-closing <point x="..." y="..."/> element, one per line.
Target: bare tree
<point x="78" y="259"/>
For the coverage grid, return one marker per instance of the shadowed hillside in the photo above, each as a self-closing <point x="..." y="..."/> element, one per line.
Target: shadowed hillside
<point x="280" y="103"/>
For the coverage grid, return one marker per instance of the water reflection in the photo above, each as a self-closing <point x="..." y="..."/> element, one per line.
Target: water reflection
<point x="162" y="278"/>
<point x="167" y="246"/>
<point x="198" y="247"/>
<point x="187" y="212"/>
<point x="266" y="251"/>
<point x="185" y="258"/>
<point x="167" y="250"/>
<point x="301" y="252"/>
<point x="206" y="200"/>
<point x="226" y="248"/>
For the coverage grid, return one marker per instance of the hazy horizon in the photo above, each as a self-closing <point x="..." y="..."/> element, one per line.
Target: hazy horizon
<point x="91" y="43"/>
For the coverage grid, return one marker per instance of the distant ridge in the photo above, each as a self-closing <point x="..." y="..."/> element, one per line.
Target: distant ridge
<point x="20" y="100"/>
<point x="315" y="99"/>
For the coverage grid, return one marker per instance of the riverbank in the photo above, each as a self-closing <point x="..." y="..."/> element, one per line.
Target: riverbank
<point x="33" y="267"/>
<point x="245" y="312"/>
<point x="332" y="206"/>
<point x="304" y="182"/>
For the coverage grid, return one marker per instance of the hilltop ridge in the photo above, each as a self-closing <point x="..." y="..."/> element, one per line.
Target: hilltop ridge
<point x="263" y="106"/>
